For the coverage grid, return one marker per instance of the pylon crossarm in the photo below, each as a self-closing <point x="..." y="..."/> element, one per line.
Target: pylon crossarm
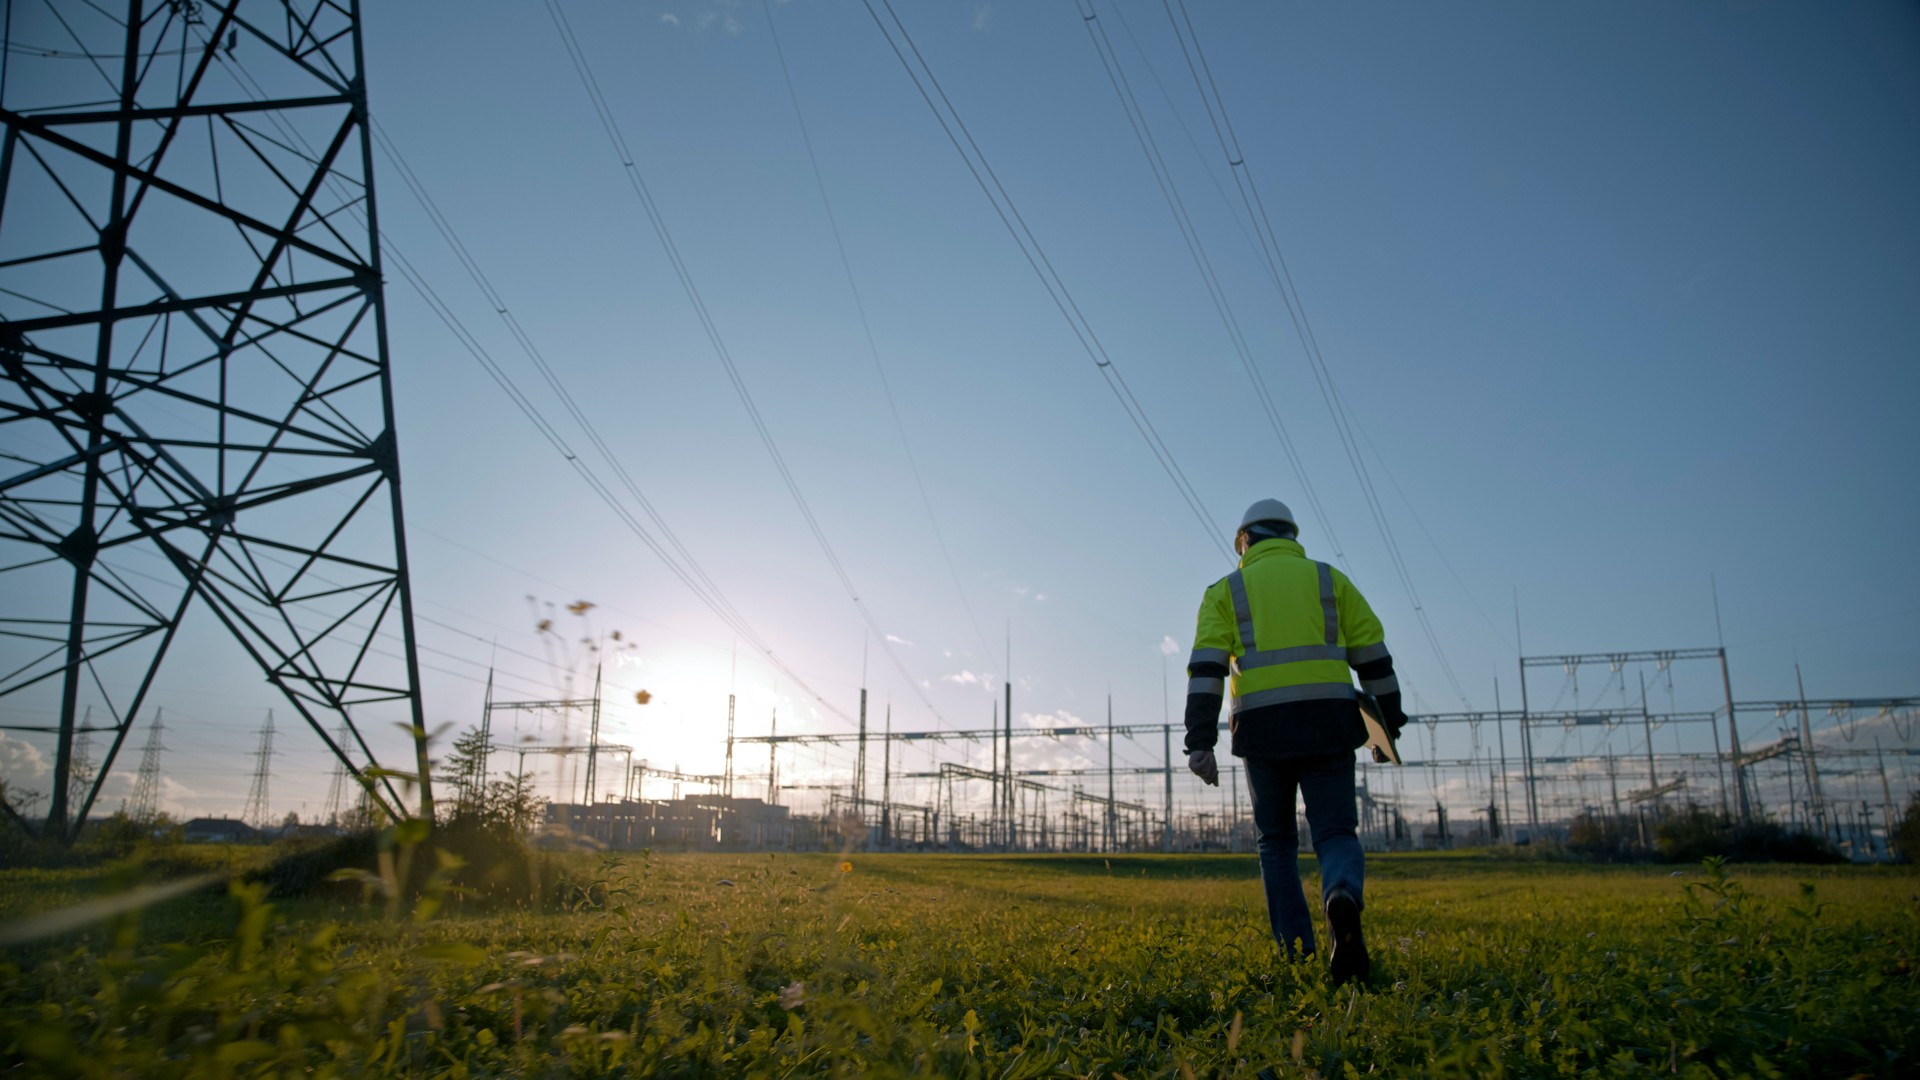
<point x="145" y="178"/>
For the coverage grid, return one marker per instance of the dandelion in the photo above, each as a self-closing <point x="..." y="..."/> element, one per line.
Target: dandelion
<point x="846" y="867"/>
<point x="793" y="995"/>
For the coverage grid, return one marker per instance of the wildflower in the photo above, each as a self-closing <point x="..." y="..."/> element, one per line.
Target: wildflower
<point x="793" y="995"/>
<point x="846" y="867"/>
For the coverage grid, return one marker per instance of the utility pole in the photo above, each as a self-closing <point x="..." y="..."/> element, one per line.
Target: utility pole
<point x="860" y="762"/>
<point x="1886" y="795"/>
<point x="1526" y="728"/>
<point x="730" y="702"/>
<point x="593" y="743"/>
<point x="1815" y="798"/>
<point x="256" y="811"/>
<point x="1109" y="773"/>
<point x="1733" y="722"/>
<point x="1646" y="721"/>
<point x="886" y="783"/>
<point x="1013" y="829"/>
<point x="773" y="751"/>
<point x="1500" y="728"/>
<point x="1733" y="737"/>
<point x="1526" y="754"/>
<point x="999" y="803"/>
<point x="478" y="782"/>
<point x="1166" y="830"/>
<point x="144" y="806"/>
<point x="1493" y="810"/>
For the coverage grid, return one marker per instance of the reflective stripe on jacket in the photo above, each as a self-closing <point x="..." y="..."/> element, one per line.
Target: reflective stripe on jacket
<point x="1287" y="627"/>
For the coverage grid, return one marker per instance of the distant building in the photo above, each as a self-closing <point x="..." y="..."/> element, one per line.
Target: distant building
<point x="210" y="830"/>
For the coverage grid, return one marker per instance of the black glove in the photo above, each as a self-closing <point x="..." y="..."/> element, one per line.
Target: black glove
<point x="1392" y="717"/>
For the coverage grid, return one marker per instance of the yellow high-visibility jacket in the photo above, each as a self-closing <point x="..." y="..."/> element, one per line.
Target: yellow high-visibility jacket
<point x="1286" y="630"/>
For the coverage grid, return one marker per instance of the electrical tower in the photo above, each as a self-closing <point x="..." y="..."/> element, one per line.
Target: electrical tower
<point x="145" y="803"/>
<point x="256" y="812"/>
<point x="337" y="790"/>
<point x="197" y="399"/>
<point x="82" y="762"/>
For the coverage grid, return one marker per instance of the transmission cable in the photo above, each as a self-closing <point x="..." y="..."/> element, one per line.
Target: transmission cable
<point x="577" y="56"/>
<point x="1003" y="205"/>
<point x="540" y="363"/>
<point x="1289" y="294"/>
<point x="1203" y="263"/>
<point x="866" y="326"/>
<point x="714" y="601"/>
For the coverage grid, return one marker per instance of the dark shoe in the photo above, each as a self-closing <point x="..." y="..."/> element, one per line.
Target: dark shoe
<point x="1348" y="959"/>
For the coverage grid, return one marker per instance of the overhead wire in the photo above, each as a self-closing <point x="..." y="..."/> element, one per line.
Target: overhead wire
<point x="709" y="594"/>
<point x="1023" y="236"/>
<point x="637" y="182"/>
<point x="866" y="326"/>
<point x="1203" y="262"/>
<point x="1282" y="276"/>
<point x="539" y="360"/>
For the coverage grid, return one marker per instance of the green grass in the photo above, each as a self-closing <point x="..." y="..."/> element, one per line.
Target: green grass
<point x="774" y="965"/>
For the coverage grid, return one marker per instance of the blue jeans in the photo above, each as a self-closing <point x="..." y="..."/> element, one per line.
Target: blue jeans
<point x="1326" y="781"/>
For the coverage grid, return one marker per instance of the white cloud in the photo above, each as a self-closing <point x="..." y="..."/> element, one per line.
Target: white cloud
<point x="21" y="761"/>
<point x="1168" y="646"/>
<point x="670" y="19"/>
<point x="985" y="680"/>
<point x="1056" y="718"/>
<point x="898" y="640"/>
<point x="981" y="15"/>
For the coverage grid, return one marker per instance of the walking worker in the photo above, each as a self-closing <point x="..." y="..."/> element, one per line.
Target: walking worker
<point x="1285" y="629"/>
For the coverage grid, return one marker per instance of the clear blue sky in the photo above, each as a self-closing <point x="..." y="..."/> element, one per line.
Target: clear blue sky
<point x="1622" y="298"/>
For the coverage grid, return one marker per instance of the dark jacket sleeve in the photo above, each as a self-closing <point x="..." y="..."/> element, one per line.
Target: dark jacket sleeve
<point x="1203" y="704"/>
<point x="1377" y="678"/>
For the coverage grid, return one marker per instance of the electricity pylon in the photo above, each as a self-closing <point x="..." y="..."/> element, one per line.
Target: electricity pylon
<point x="197" y="400"/>
<point x="256" y="812"/>
<point x="337" y="788"/>
<point x="145" y="803"/>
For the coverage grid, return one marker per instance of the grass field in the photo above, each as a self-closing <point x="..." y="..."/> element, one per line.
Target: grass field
<point x="775" y="965"/>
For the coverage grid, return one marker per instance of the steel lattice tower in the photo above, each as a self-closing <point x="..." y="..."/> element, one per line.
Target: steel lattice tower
<point x="197" y="406"/>
<point x="144" y="805"/>
<point x="337" y="787"/>
<point x="256" y="812"/>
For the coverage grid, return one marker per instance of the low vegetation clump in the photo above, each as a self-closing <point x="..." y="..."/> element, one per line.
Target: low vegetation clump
<point x="1693" y="833"/>
<point x="774" y="965"/>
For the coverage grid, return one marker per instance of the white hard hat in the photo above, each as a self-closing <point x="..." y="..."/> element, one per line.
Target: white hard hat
<point x="1268" y="510"/>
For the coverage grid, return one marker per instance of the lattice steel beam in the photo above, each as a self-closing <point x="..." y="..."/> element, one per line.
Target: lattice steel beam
<point x="197" y="406"/>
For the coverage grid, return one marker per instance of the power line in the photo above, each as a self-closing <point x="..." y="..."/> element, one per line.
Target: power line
<point x="1203" y="263"/>
<point x="714" y="600"/>
<point x="989" y="182"/>
<point x="1282" y="276"/>
<point x="866" y="326"/>
<point x="577" y="56"/>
